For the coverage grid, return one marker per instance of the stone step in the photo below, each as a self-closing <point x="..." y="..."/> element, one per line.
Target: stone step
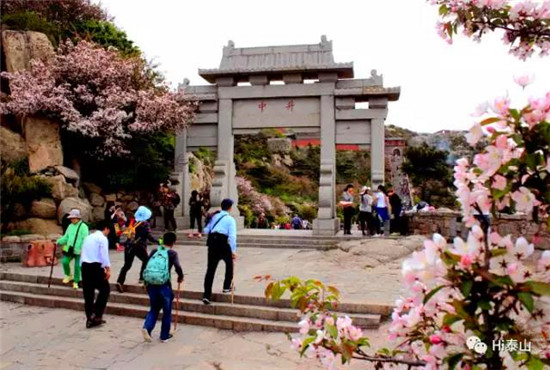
<point x="271" y="240"/>
<point x="191" y="318"/>
<point x="264" y="245"/>
<point x="224" y="309"/>
<point x="383" y="310"/>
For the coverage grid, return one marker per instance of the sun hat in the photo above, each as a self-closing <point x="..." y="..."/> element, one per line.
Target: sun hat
<point x="364" y="189"/>
<point x="142" y="214"/>
<point x="74" y="213"/>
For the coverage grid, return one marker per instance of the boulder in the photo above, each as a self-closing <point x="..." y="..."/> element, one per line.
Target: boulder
<point x="20" y="47"/>
<point x="60" y="188"/>
<point x="127" y="198"/>
<point x="70" y="175"/>
<point x="43" y="208"/>
<point x="13" y="145"/>
<point x="40" y="226"/>
<point x="30" y="237"/>
<point x="69" y="203"/>
<point x="43" y="143"/>
<point x="133" y="206"/>
<point x="53" y="237"/>
<point x="19" y="211"/>
<point x="96" y="200"/>
<point x="91" y="188"/>
<point x="110" y="197"/>
<point x="279" y="145"/>
<point x="98" y="213"/>
<point x="11" y="239"/>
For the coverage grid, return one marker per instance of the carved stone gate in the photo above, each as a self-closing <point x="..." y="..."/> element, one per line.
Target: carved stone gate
<point x="297" y="87"/>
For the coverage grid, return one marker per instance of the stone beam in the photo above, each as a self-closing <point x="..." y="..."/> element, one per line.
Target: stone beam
<point x="361" y="114"/>
<point x="276" y="91"/>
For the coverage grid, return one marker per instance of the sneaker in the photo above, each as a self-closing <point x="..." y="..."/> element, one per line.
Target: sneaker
<point x="67" y="279"/>
<point x="141" y="282"/>
<point x="146" y="335"/>
<point x="119" y="287"/>
<point x="228" y="290"/>
<point x="190" y="235"/>
<point x="170" y="336"/>
<point x="75" y="285"/>
<point x="206" y="301"/>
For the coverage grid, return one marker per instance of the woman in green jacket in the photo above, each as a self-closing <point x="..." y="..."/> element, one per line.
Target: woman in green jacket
<point x="72" y="245"/>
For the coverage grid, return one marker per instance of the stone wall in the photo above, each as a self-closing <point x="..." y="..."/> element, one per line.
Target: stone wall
<point x="13" y="248"/>
<point x="447" y="223"/>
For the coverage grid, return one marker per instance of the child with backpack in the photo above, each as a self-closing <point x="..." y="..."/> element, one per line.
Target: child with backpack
<point x="159" y="287"/>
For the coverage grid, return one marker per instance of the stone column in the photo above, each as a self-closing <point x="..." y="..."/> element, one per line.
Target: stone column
<point x="223" y="183"/>
<point x="377" y="142"/>
<point x="326" y="222"/>
<point x="377" y="152"/>
<point x="181" y="174"/>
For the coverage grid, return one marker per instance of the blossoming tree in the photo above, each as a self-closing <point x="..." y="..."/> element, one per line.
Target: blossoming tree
<point x="98" y="95"/>
<point x="479" y="303"/>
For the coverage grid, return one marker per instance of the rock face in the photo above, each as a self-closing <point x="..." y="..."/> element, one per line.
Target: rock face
<point x="20" y="47"/>
<point x="60" y="188"/>
<point x="201" y="178"/>
<point x="97" y="214"/>
<point x="13" y="147"/>
<point x="91" y="188"/>
<point x="70" y="175"/>
<point x="40" y="226"/>
<point x="43" y="143"/>
<point x="43" y="208"/>
<point x="69" y="203"/>
<point x="96" y="200"/>
<point x="279" y="145"/>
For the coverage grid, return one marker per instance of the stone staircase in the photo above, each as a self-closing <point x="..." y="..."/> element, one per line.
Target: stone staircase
<point x="248" y="313"/>
<point x="268" y="241"/>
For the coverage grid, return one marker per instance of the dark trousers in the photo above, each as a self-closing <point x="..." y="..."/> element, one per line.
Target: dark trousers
<point x="160" y="297"/>
<point x="215" y="255"/>
<point x="395" y="224"/>
<point x="129" y="253"/>
<point x="169" y="220"/>
<point x="366" y="222"/>
<point x="348" y="215"/>
<point x="198" y="217"/>
<point x="93" y="278"/>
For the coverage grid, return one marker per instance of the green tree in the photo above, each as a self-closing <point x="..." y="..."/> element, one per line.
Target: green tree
<point x="428" y="170"/>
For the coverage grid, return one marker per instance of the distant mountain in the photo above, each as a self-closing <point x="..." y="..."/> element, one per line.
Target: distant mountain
<point x="451" y="141"/>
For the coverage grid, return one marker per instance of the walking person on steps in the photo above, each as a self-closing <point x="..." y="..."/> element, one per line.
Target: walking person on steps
<point x="72" y="241"/>
<point x="159" y="287"/>
<point x="96" y="271"/>
<point x="136" y="245"/>
<point x="222" y="245"/>
<point x="195" y="211"/>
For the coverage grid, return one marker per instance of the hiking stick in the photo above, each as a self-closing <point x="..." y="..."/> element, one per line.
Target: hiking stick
<point x="53" y="260"/>
<point x="177" y="306"/>
<point x="233" y="283"/>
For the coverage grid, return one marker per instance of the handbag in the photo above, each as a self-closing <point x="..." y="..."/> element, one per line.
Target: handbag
<point x="216" y="238"/>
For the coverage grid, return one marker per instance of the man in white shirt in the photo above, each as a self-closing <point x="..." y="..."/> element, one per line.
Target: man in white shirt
<point x="96" y="271"/>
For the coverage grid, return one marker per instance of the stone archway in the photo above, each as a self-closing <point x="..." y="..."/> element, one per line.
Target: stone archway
<point x="326" y="107"/>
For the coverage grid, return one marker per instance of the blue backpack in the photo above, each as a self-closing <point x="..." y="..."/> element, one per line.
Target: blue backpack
<point x="157" y="272"/>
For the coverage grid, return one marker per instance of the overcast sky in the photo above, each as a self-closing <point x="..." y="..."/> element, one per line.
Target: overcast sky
<point x="440" y="84"/>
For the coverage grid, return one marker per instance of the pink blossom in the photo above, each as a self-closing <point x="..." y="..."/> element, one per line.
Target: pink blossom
<point x="475" y="133"/>
<point x="435" y="339"/>
<point x="296" y="344"/>
<point x="354" y="333"/>
<point x="523" y="80"/>
<point x="524" y="199"/>
<point x="499" y="182"/>
<point x="304" y="326"/>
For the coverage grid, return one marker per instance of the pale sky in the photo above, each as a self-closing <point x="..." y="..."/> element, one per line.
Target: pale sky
<point x="441" y="85"/>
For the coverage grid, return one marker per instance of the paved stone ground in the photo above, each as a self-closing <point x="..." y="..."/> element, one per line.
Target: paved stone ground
<point x="365" y="270"/>
<point x="43" y="338"/>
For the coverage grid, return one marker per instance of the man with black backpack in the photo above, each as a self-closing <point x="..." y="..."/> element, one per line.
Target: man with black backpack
<point x="159" y="286"/>
<point x="222" y="245"/>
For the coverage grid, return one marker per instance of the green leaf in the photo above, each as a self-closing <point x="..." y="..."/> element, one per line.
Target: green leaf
<point x="305" y="344"/>
<point x="453" y="360"/>
<point x="332" y="330"/>
<point x="484" y="305"/>
<point x="539" y="287"/>
<point x="432" y="292"/>
<point x="466" y="287"/>
<point x="443" y="10"/>
<point x="490" y="120"/>
<point x="498" y="252"/>
<point x="527" y="300"/>
<point x="450" y="319"/>
<point x="535" y="363"/>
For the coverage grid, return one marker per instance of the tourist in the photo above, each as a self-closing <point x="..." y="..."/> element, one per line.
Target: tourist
<point x="161" y="295"/>
<point x="195" y="212"/>
<point x="135" y="245"/>
<point x="382" y="203"/>
<point x="261" y="222"/>
<point x="170" y="202"/>
<point x="71" y="241"/>
<point x="305" y="224"/>
<point x="65" y="221"/>
<point x="365" y="211"/>
<point x="396" y="206"/>
<point x="296" y="222"/>
<point x="349" y="210"/>
<point x="96" y="271"/>
<point x="222" y="245"/>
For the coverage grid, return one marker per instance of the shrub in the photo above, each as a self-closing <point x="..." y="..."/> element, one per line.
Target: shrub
<point x="31" y="21"/>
